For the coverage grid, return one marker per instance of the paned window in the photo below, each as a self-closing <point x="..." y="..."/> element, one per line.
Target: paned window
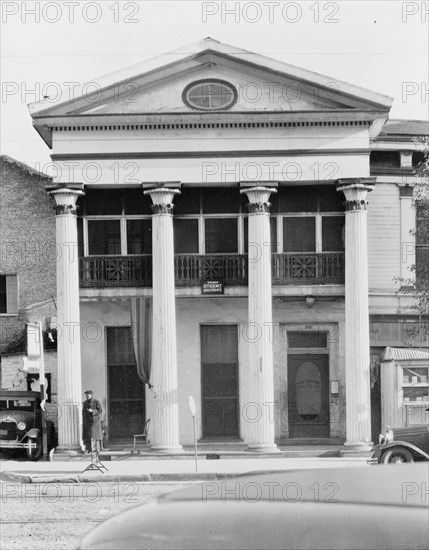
<point x="9" y="294"/>
<point x="210" y="95"/>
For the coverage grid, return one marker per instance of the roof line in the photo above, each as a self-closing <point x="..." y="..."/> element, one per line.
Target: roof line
<point x="23" y="166"/>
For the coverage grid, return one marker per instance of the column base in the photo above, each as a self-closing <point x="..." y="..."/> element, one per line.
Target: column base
<point x="356" y="448"/>
<point x="161" y="449"/>
<point x="65" y="453"/>
<point x="71" y="450"/>
<point x="272" y="449"/>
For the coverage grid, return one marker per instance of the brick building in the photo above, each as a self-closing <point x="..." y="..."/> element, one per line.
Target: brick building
<point x="27" y="267"/>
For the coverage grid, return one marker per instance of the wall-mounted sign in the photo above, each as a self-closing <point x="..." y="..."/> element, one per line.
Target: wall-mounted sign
<point x="33" y="340"/>
<point x="334" y="387"/>
<point x="212" y="287"/>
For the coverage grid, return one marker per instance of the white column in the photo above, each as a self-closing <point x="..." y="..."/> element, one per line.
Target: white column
<point x="68" y="320"/>
<point x="358" y="398"/>
<point x="260" y="322"/>
<point x="165" y="425"/>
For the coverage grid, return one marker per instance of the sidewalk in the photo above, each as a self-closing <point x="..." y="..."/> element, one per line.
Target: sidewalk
<point x="163" y="469"/>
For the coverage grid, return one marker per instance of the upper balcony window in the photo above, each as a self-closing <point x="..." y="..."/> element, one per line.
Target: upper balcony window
<point x="385" y="159"/>
<point x="104" y="237"/>
<point x="210" y="95"/>
<point x="422" y="245"/>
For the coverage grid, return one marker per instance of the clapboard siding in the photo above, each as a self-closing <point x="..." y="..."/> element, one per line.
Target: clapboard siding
<point x="384" y="236"/>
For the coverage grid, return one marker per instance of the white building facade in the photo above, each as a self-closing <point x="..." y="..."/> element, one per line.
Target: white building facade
<point x="223" y="237"/>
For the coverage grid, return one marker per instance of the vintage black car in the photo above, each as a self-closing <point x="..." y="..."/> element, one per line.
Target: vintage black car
<point x="21" y="424"/>
<point x="400" y="445"/>
<point x="339" y="508"/>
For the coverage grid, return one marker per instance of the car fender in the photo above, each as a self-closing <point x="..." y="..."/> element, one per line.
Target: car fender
<point x="405" y="444"/>
<point x="34" y="432"/>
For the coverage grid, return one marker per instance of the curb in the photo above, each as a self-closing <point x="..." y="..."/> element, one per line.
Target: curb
<point x="115" y="478"/>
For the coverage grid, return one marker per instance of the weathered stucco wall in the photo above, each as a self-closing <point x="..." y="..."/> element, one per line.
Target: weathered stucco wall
<point x="326" y="316"/>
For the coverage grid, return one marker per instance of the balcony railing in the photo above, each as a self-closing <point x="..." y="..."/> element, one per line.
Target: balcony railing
<point x="114" y="271"/>
<point x="308" y="269"/>
<point x="192" y="269"/>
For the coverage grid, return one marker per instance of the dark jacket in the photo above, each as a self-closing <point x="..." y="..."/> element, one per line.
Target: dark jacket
<point x="91" y="421"/>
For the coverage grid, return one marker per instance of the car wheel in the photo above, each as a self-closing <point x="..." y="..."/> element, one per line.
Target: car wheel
<point x="35" y="453"/>
<point x="397" y="455"/>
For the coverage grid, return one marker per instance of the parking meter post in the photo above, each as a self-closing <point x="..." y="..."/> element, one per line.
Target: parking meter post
<point x="195" y="444"/>
<point x="193" y="410"/>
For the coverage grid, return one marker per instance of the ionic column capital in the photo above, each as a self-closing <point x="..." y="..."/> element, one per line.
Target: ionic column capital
<point x="65" y="200"/>
<point x="355" y="191"/>
<point x="162" y="199"/>
<point x="258" y="198"/>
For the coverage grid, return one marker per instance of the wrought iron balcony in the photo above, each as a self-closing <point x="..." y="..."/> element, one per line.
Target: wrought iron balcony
<point x="115" y="271"/>
<point x="192" y="269"/>
<point x="308" y="269"/>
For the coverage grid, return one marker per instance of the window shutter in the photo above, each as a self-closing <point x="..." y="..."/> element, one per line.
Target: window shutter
<point x="11" y="294"/>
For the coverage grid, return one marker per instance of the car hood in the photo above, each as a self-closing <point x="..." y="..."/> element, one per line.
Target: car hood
<point x="343" y="508"/>
<point x="412" y="432"/>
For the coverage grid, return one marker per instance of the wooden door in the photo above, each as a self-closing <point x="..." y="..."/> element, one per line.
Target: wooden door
<point x="219" y="354"/>
<point x="308" y="396"/>
<point x="126" y="397"/>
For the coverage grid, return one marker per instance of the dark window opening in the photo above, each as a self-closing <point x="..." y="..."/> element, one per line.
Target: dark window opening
<point x="422" y="244"/>
<point x="332" y="234"/>
<point x="3" y="308"/>
<point x="139" y="236"/>
<point x="80" y="246"/>
<point x="136" y="203"/>
<point x="221" y="200"/>
<point x="299" y="234"/>
<point x="188" y="202"/>
<point x="8" y="294"/>
<point x="298" y="199"/>
<point x="330" y="200"/>
<point x="103" y="202"/>
<point x="418" y="158"/>
<point x="104" y="237"/>
<point x="385" y="159"/>
<point x="221" y="236"/>
<point x="185" y="236"/>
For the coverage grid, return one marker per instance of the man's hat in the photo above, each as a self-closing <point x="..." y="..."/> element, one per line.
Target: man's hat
<point x="89" y="391"/>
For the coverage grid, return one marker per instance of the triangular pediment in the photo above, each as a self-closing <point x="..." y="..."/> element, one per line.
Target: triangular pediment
<point x="262" y="85"/>
<point x="257" y="90"/>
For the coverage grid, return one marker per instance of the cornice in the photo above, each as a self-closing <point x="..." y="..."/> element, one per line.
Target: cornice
<point x="236" y="153"/>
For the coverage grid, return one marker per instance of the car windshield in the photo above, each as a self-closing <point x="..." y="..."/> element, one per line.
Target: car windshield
<point x="17" y="405"/>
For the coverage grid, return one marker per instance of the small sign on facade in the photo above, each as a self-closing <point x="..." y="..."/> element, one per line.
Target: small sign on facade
<point x="212" y="287"/>
<point x="33" y="340"/>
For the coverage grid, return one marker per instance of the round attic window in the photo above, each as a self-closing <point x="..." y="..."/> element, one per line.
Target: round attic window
<point x="210" y="95"/>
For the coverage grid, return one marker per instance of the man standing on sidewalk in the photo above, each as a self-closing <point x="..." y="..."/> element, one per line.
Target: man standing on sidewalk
<point x="91" y="421"/>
